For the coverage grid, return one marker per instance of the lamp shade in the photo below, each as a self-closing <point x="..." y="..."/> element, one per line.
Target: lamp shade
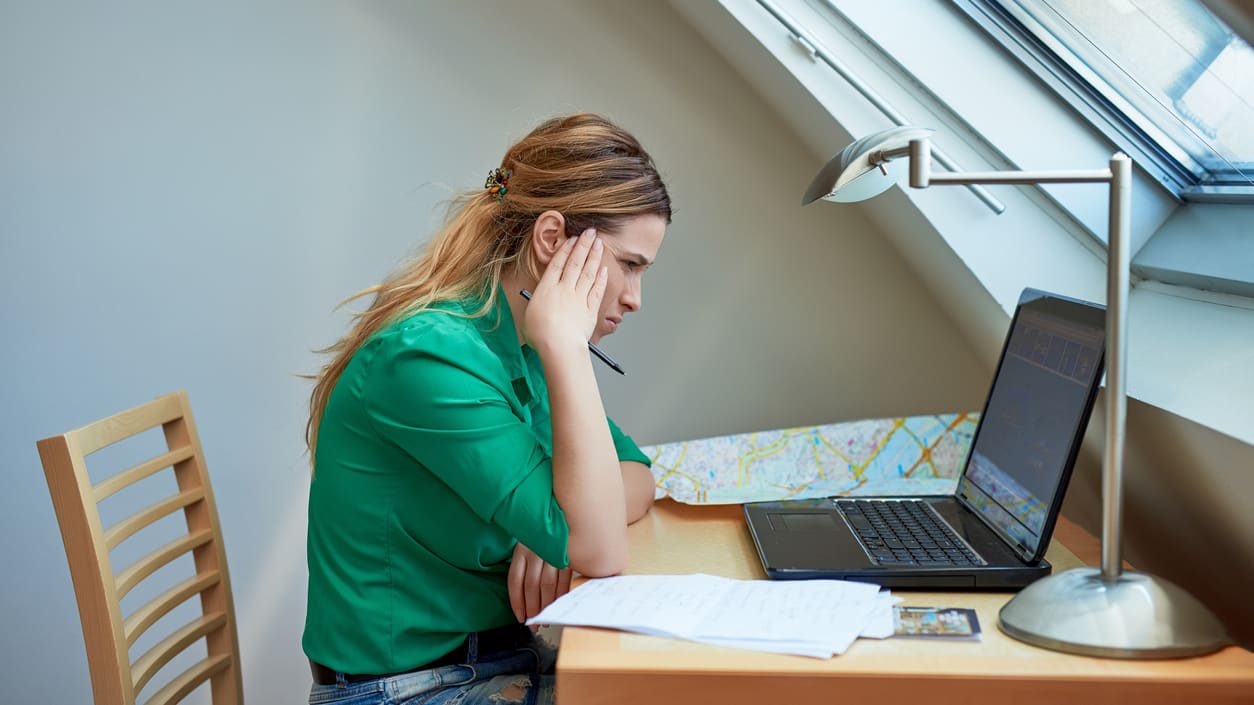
<point x="853" y="175"/>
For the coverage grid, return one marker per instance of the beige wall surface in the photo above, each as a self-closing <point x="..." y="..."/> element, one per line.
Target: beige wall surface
<point x="1187" y="490"/>
<point x="213" y="179"/>
<point x="760" y="313"/>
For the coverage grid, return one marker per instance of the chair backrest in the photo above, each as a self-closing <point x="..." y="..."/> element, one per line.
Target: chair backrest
<point x="99" y="589"/>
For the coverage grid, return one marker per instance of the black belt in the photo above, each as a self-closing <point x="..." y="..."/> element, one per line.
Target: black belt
<point x="491" y="640"/>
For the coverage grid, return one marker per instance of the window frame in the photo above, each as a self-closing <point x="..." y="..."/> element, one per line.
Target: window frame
<point x="1122" y="129"/>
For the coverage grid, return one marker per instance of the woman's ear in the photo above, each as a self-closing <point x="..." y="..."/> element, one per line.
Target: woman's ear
<point x="547" y="236"/>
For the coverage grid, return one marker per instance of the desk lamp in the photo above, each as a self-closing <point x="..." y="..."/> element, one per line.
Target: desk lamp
<point x="1107" y="612"/>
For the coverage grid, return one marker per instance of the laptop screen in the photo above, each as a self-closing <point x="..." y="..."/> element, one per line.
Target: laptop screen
<point x="1035" y="417"/>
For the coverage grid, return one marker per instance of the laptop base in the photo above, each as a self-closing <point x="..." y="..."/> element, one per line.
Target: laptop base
<point x="810" y="539"/>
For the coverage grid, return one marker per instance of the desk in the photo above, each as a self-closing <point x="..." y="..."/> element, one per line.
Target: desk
<point x="601" y="666"/>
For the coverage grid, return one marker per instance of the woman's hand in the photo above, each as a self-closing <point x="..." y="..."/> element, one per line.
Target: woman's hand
<point x="534" y="584"/>
<point x="565" y="306"/>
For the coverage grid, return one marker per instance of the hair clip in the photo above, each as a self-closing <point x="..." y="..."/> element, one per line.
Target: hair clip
<point x="497" y="181"/>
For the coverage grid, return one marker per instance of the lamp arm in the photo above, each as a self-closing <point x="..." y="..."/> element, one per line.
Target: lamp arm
<point x="1098" y="176"/>
<point x="920" y="153"/>
<point x="884" y="156"/>
<point x="967" y="178"/>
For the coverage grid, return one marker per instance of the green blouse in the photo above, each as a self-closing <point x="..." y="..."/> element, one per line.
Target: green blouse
<point x="434" y="459"/>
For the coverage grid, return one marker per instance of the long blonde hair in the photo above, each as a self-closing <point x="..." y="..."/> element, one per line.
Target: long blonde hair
<point x="585" y="167"/>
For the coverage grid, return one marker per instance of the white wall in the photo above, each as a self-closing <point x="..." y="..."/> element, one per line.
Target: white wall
<point x="186" y="193"/>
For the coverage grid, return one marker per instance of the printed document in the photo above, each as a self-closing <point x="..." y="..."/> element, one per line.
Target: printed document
<point x="816" y="618"/>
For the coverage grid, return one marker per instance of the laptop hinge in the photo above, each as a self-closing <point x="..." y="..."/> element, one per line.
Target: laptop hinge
<point x="1019" y="549"/>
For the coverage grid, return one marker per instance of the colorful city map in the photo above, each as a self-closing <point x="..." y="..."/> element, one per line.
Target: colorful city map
<point x="913" y="455"/>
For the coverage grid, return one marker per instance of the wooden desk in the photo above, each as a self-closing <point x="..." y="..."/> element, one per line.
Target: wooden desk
<point x="603" y="666"/>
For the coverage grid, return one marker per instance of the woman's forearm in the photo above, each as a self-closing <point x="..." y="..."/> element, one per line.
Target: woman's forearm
<point x="587" y="479"/>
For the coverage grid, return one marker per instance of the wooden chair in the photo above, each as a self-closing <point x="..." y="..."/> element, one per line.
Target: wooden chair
<point x="114" y="679"/>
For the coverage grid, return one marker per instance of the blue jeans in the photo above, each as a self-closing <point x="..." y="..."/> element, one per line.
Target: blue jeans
<point x="522" y="675"/>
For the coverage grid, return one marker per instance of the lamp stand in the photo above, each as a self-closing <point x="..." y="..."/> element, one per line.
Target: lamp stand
<point x="1104" y="612"/>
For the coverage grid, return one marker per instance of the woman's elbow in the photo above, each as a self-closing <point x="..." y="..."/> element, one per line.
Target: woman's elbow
<point x="638" y="489"/>
<point x="601" y="569"/>
<point x="598" y="564"/>
<point x="639" y="506"/>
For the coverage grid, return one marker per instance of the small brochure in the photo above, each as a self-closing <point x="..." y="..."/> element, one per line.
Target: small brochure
<point x="936" y="622"/>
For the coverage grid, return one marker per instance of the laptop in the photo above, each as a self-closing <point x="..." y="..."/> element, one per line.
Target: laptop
<point x="993" y="531"/>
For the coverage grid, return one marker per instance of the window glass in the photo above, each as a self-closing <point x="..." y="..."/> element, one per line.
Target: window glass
<point x="1170" y="66"/>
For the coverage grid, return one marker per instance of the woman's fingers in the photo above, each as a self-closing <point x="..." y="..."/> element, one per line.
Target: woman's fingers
<point x="579" y="255"/>
<point x="563" y="582"/>
<point x="553" y="272"/>
<point x="534" y="584"/>
<point x="517" y="574"/>
<point x="531" y="591"/>
<point x="563" y="308"/>
<point x="548" y="585"/>
<point x="597" y="292"/>
<point x="591" y="268"/>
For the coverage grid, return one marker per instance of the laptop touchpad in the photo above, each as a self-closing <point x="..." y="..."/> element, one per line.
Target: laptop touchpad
<point x="807" y="523"/>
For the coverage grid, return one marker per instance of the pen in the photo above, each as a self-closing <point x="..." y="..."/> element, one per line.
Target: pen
<point x="595" y="350"/>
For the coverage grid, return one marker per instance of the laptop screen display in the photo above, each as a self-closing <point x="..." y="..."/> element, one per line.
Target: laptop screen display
<point x="1035" y="418"/>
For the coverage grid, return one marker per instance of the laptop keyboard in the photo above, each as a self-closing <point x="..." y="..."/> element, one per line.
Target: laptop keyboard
<point x="906" y="532"/>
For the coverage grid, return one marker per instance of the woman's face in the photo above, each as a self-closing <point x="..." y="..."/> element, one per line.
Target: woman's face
<point x="628" y="254"/>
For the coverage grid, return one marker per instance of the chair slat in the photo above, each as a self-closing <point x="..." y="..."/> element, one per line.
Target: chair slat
<point x="129" y="578"/>
<point x="132" y="475"/>
<point x="120" y="531"/>
<point x="147" y="615"/>
<point x="178" y="688"/>
<point x="106" y="432"/>
<point x="147" y="666"/>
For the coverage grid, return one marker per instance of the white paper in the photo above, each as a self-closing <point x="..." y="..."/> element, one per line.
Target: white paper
<point x="880" y="624"/>
<point x="827" y="612"/>
<point x="652" y="604"/>
<point x="792" y="648"/>
<point x="816" y="618"/>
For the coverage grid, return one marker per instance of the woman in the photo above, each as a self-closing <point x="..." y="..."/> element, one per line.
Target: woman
<point x="463" y="463"/>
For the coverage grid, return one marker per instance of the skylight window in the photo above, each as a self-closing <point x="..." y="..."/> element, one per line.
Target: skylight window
<point x="1170" y="67"/>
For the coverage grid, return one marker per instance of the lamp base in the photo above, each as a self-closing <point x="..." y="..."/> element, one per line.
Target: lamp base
<point x="1135" y="616"/>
